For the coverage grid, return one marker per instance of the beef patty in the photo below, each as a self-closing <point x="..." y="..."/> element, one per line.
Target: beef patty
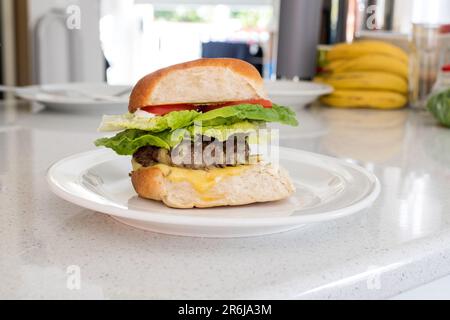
<point x="198" y="154"/>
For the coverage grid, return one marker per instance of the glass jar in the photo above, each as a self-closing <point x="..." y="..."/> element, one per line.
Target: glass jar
<point x="429" y="52"/>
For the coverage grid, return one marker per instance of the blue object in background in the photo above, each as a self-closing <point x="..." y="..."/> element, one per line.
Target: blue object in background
<point x="237" y="50"/>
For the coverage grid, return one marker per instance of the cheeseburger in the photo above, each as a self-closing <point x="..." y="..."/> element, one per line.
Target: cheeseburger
<point x="189" y="130"/>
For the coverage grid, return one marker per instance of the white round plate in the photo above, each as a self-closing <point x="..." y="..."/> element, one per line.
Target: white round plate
<point x="78" y="97"/>
<point x="327" y="189"/>
<point x="295" y="94"/>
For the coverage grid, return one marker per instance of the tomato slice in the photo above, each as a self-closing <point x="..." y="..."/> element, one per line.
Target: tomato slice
<point x="165" y="109"/>
<point x="161" y="110"/>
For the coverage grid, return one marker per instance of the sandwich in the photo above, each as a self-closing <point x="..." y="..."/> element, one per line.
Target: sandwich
<point x="189" y="132"/>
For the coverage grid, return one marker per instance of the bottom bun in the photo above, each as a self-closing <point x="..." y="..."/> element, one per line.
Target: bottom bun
<point x="233" y="186"/>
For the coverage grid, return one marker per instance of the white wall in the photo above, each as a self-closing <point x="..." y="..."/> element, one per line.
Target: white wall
<point x="402" y="17"/>
<point x="420" y="11"/>
<point x="85" y="63"/>
<point x="431" y="11"/>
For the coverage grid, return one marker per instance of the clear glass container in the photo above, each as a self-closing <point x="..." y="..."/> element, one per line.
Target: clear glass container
<point x="430" y="50"/>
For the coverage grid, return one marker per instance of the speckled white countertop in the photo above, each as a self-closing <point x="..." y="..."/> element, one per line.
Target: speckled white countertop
<point x="401" y="242"/>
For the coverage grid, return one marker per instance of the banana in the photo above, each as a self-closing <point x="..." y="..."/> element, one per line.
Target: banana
<point x="376" y="62"/>
<point x="367" y="47"/>
<point x="366" y="98"/>
<point x="365" y="81"/>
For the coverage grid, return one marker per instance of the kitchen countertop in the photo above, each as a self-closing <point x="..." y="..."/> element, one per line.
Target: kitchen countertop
<point x="402" y="241"/>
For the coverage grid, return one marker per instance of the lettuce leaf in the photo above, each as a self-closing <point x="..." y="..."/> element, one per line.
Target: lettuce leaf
<point x="219" y="117"/>
<point x="222" y="133"/>
<point x="233" y="114"/>
<point x="170" y="121"/>
<point x="129" y="141"/>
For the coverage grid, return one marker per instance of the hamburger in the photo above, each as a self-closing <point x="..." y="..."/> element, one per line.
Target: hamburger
<point x="188" y="130"/>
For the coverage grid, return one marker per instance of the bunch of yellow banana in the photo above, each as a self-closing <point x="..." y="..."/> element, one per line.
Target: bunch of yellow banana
<point x="365" y="98"/>
<point x="366" y="74"/>
<point x="364" y="48"/>
<point x="376" y="62"/>
<point x="365" y="81"/>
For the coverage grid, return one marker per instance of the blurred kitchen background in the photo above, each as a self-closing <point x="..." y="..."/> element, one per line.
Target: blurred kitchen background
<point x="119" y="41"/>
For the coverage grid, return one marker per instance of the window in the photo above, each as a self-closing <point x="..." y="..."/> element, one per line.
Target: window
<point x="139" y="37"/>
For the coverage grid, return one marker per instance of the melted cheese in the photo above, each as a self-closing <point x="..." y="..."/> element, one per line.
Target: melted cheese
<point x="201" y="180"/>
